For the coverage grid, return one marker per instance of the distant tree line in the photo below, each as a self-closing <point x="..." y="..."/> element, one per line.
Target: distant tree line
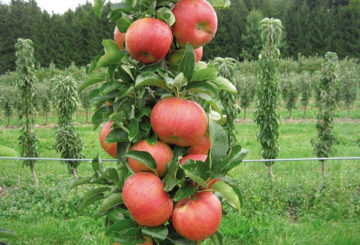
<point x="311" y="27"/>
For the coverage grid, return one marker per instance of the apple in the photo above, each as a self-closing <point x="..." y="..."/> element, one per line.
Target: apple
<point x="119" y="38"/>
<point x="146" y="200"/>
<point x="196" y="22"/>
<point x="110" y="148"/>
<point x="195" y="157"/>
<point x="179" y="121"/>
<point x="148" y="241"/>
<point x="198" y="217"/>
<point x="198" y="54"/>
<point x="201" y="147"/>
<point x="160" y="151"/>
<point x="148" y="40"/>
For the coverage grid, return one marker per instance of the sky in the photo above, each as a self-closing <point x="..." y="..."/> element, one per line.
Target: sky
<point x="59" y="6"/>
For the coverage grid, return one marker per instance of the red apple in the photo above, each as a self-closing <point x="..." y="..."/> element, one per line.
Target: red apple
<point x="160" y="151"/>
<point x="148" y="40"/>
<point x="146" y="200"/>
<point x="119" y="38"/>
<point x="201" y="147"/>
<point x="198" y="217"/>
<point x="110" y="148"/>
<point x="198" y="54"/>
<point x="148" y="241"/>
<point x="196" y="22"/>
<point x="195" y="157"/>
<point x="179" y="121"/>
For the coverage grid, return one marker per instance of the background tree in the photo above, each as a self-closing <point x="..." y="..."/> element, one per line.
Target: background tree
<point x="246" y="86"/>
<point x="267" y="112"/>
<point x="348" y="85"/>
<point x="305" y="91"/>
<point x="251" y="38"/>
<point x="25" y="67"/>
<point x="290" y="91"/>
<point x="7" y="103"/>
<point x="325" y="120"/>
<point x="45" y="98"/>
<point x="85" y="103"/>
<point x="68" y="142"/>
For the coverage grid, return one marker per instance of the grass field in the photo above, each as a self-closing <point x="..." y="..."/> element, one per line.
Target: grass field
<point x="299" y="208"/>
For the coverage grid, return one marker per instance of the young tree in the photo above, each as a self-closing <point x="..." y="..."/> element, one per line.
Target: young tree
<point x="68" y="142"/>
<point x="348" y="89"/>
<point x="7" y="104"/>
<point x="267" y="111"/>
<point x="305" y="91"/>
<point x="85" y="103"/>
<point x="290" y="92"/>
<point x="25" y="66"/>
<point x="246" y="85"/>
<point x="323" y="144"/>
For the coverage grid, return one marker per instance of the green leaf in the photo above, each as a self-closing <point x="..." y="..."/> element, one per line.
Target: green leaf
<point x="117" y="135"/>
<point x="122" y="226"/>
<point x="180" y="81"/>
<point x="133" y="128"/>
<point x="79" y="181"/>
<point x="113" y="200"/>
<point x="166" y="15"/>
<point x="144" y="158"/>
<point x="160" y="232"/>
<point x="234" y="159"/>
<point x="225" y="84"/>
<point x="203" y="88"/>
<point x="149" y="78"/>
<point x="8" y="234"/>
<point x="184" y="191"/>
<point x="112" y="54"/>
<point x="220" y="4"/>
<point x="204" y="74"/>
<point x="228" y="192"/>
<point x="99" y="116"/>
<point x="93" y="78"/>
<point x="219" y="142"/>
<point x="117" y="214"/>
<point x="98" y="7"/>
<point x="93" y="196"/>
<point x="170" y="180"/>
<point x="194" y="173"/>
<point x="216" y="239"/>
<point x="123" y="23"/>
<point x="111" y="175"/>
<point x="187" y="63"/>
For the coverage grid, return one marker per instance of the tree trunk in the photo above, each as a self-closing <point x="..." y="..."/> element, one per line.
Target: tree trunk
<point x="34" y="176"/>
<point x="87" y="116"/>
<point x="271" y="174"/>
<point x="348" y="111"/>
<point x="290" y="114"/>
<point x="8" y="122"/>
<point x="244" y="114"/>
<point x="75" y="173"/>
<point x="304" y="112"/>
<point x="46" y="118"/>
<point x="323" y="166"/>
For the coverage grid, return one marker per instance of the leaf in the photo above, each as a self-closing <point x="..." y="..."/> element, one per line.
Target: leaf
<point x="93" y="196"/>
<point x="234" y="159"/>
<point x="160" y="232"/>
<point x="187" y="63"/>
<point x="112" y="54"/>
<point x="133" y="128"/>
<point x="219" y="142"/>
<point x="98" y="7"/>
<point x="116" y="135"/>
<point x="166" y="15"/>
<point x="123" y="23"/>
<point x="228" y="192"/>
<point x="216" y="239"/>
<point x="93" y="78"/>
<point x="204" y="74"/>
<point x="79" y="181"/>
<point x="111" y="175"/>
<point x="144" y="158"/>
<point x="180" y="81"/>
<point x="117" y="214"/>
<point x="225" y="84"/>
<point x="113" y="200"/>
<point x="122" y="225"/>
<point x="149" y="78"/>
<point x="203" y="88"/>
<point x="220" y="4"/>
<point x="5" y="233"/>
<point x="97" y="164"/>
<point x="194" y="177"/>
<point x="170" y="177"/>
<point x="99" y="116"/>
<point x="184" y="191"/>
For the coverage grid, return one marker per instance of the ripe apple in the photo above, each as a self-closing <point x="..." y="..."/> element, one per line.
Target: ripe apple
<point x="146" y="200"/>
<point x="179" y="121"/>
<point x="198" y="54"/>
<point x="148" y="40"/>
<point x="148" y="241"/>
<point x="198" y="217"/>
<point x="110" y="148"/>
<point x="119" y="38"/>
<point x="196" y="22"/>
<point x="160" y="151"/>
<point x="201" y="147"/>
<point x="195" y="157"/>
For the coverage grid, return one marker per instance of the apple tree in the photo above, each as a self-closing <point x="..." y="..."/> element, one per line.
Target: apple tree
<point x="25" y="67"/>
<point x="164" y="123"/>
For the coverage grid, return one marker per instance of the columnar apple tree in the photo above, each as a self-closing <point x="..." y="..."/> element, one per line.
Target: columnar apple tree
<point x="267" y="111"/>
<point x="25" y="67"/>
<point x="164" y="123"/>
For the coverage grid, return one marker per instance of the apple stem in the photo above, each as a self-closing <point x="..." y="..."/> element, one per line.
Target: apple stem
<point x="198" y="243"/>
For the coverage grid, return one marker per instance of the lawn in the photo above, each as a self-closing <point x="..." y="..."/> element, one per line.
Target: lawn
<point x="299" y="208"/>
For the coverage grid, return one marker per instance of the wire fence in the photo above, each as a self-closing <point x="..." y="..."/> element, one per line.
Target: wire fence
<point x="245" y="161"/>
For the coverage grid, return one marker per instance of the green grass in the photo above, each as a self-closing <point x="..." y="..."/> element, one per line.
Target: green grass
<point x="299" y="208"/>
